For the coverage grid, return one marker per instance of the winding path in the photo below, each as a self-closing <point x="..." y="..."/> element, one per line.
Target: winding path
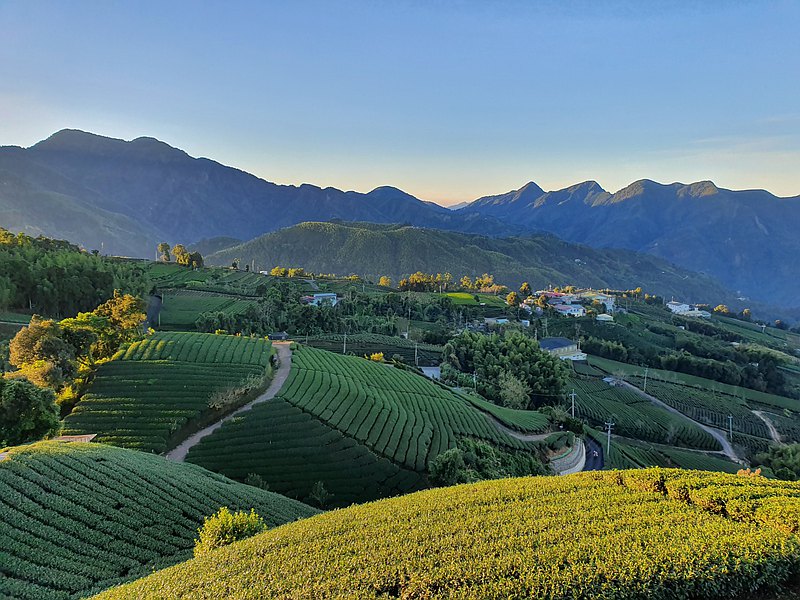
<point x="523" y="437"/>
<point x="278" y="379"/>
<point x="727" y="449"/>
<point x="772" y="431"/>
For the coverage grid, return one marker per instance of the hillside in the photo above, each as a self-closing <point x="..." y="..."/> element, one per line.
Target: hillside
<point x="78" y="518"/>
<point x="130" y="195"/>
<point x="743" y="238"/>
<point x="398" y="250"/>
<point x="365" y="430"/>
<point x="654" y="534"/>
<point x="157" y="390"/>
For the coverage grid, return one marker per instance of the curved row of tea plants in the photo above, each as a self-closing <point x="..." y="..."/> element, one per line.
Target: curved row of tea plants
<point x="370" y="343"/>
<point x="654" y="534"/>
<point x="150" y="392"/>
<point x="634" y="415"/>
<point x="78" y="518"/>
<point x="363" y="429"/>
<point x="181" y="308"/>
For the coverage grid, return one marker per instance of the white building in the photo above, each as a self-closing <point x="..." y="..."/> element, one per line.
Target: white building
<point x="678" y="307"/>
<point x="324" y="298"/>
<point x="570" y="310"/>
<point x="604" y="318"/>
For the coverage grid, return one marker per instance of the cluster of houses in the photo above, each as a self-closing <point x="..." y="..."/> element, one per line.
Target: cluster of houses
<point x="572" y="304"/>
<point x="687" y="310"/>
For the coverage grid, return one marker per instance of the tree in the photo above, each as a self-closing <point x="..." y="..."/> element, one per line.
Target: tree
<point x="722" y="309"/>
<point x="525" y="290"/>
<point x="746" y="314"/>
<point x="514" y="392"/>
<point x="512" y="299"/>
<point x="319" y="495"/>
<point x="235" y="263"/>
<point x="385" y="282"/>
<point x="466" y="283"/>
<point x="163" y="250"/>
<point x="179" y="250"/>
<point x="41" y="354"/>
<point x="447" y="468"/>
<point x="125" y="314"/>
<point x="225" y="527"/>
<point x="27" y="412"/>
<point x="279" y="272"/>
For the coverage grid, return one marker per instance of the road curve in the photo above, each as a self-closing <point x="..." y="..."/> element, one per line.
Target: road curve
<point x="772" y="431"/>
<point x="278" y="379"/>
<point x="727" y="449"/>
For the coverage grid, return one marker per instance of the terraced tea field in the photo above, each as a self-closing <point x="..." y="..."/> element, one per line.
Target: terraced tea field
<point x="390" y="422"/>
<point x="369" y="343"/>
<point x="655" y="534"/>
<point x="158" y="386"/>
<point x="181" y="308"/>
<point x="78" y="518"/>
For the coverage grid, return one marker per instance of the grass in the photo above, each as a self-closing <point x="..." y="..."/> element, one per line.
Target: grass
<point x="79" y="518"/>
<point x="655" y="534"/>
<point x="369" y="343"/>
<point x="181" y="308"/>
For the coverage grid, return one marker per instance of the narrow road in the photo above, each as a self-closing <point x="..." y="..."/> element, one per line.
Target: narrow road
<point x="593" y="463"/>
<point x="772" y="431"/>
<point x="727" y="449"/>
<point x="278" y="379"/>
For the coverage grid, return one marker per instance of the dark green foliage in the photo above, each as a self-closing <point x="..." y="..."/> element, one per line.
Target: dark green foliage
<point x="489" y="356"/>
<point x="27" y="412"/>
<point x="56" y="278"/>
<point x="477" y="460"/>
<point x="784" y="461"/>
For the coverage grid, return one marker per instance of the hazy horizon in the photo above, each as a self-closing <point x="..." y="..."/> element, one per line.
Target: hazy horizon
<point x="447" y="101"/>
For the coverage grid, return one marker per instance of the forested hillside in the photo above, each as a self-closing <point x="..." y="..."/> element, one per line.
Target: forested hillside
<point x="398" y="250"/>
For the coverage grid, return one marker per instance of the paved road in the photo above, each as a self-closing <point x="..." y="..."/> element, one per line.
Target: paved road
<point x="727" y="449"/>
<point x="278" y="379"/>
<point x="772" y="431"/>
<point x="593" y="463"/>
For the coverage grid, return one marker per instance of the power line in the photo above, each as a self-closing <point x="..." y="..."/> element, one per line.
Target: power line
<point x="609" y="426"/>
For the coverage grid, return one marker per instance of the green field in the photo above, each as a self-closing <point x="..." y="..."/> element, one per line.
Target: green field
<point x="78" y="518"/>
<point x="368" y="343"/>
<point x="655" y="534"/>
<point x="181" y="308"/>
<point x="211" y="279"/>
<point x="635" y="416"/>
<point x="155" y="388"/>
<point x="375" y="427"/>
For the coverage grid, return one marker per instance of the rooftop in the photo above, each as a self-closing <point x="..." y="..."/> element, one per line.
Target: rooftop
<point x="554" y="343"/>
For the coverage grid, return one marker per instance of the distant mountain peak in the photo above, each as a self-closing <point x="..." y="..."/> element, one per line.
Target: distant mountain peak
<point x="78" y="141"/>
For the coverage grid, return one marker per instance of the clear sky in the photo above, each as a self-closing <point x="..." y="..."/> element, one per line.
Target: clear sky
<point x="446" y="100"/>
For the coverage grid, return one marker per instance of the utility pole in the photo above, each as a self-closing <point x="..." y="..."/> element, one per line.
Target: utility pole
<point x="730" y="427"/>
<point x="609" y="425"/>
<point x="344" y="345"/>
<point x="416" y="356"/>
<point x="572" y="395"/>
<point x="475" y="380"/>
<point x="644" y="389"/>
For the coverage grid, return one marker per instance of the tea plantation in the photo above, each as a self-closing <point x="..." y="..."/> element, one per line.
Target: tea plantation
<point x="654" y="534"/>
<point x="375" y="429"/>
<point x="78" y="518"/>
<point x="145" y="396"/>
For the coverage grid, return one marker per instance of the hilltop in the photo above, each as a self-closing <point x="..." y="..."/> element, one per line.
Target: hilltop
<point x="398" y="250"/>
<point x="655" y="534"/>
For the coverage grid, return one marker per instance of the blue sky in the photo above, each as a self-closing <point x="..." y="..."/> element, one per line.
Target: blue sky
<point x="447" y="100"/>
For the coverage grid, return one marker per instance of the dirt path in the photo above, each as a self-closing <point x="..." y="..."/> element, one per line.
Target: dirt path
<point x="523" y="437"/>
<point x="772" y="431"/>
<point x="727" y="449"/>
<point x="278" y="379"/>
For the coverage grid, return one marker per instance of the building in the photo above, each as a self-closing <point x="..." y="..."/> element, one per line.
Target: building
<point x="593" y="296"/>
<point x="278" y="336"/>
<point x="678" y="308"/>
<point x="604" y="318"/>
<point x="322" y="298"/>
<point x="562" y="348"/>
<point x="702" y="314"/>
<point x="570" y="310"/>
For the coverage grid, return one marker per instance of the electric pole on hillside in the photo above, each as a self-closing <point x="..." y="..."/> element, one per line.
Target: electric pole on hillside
<point x="572" y="395"/>
<point x="644" y="389"/>
<point x="344" y="345"/>
<point x="730" y="427"/>
<point x="609" y="425"/>
<point x="475" y="381"/>
<point x="416" y="356"/>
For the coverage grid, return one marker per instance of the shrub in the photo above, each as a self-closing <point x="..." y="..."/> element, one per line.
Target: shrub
<point x="225" y="527"/>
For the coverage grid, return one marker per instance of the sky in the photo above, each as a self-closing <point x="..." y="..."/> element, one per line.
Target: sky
<point x="448" y="101"/>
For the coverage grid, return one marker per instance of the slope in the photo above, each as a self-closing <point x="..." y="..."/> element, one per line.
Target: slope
<point x="365" y="430"/>
<point x="78" y="518"/>
<point x="744" y="238"/>
<point x="396" y="250"/>
<point x="654" y="534"/>
<point x="158" y="390"/>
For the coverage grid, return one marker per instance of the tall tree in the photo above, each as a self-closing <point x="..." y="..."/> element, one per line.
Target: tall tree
<point x="27" y="412"/>
<point x="163" y="250"/>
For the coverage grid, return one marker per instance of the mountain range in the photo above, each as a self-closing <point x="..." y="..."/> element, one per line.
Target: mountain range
<point x="123" y="197"/>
